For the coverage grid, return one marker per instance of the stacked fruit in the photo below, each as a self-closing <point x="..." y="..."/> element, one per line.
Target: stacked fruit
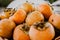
<point x="30" y="23"/>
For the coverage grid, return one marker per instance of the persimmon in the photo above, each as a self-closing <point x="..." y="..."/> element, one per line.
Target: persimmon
<point x="7" y="13"/>
<point x="41" y="31"/>
<point x="45" y="9"/>
<point x="21" y="32"/>
<point x="27" y="7"/>
<point x="34" y="17"/>
<point x="19" y="16"/>
<point x="55" y="20"/>
<point x="6" y="28"/>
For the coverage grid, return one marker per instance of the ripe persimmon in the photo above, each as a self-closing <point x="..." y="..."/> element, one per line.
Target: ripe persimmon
<point x="34" y="17"/>
<point x="27" y="7"/>
<point x="41" y="31"/>
<point x="55" y="20"/>
<point x="6" y="28"/>
<point x="19" y="16"/>
<point x="21" y="33"/>
<point x="45" y="9"/>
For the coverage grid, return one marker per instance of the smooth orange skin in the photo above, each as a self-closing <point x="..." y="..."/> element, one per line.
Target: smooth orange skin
<point x="33" y="17"/>
<point x="19" y="34"/>
<point x="19" y="16"/>
<point x="11" y="18"/>
<point x="27" y="7"/>
<point x="56" y="20"/>
<point x="47" y="34"/>
<point x="45" y="9"/>
<point x="6" y="27"/>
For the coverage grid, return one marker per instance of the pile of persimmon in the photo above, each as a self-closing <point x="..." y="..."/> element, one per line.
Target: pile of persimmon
<point x="28" y="23"/>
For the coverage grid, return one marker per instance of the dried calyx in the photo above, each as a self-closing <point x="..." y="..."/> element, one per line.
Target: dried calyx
<point x="51" y="6"/>
<point x="40" y="26"/>
<point x="11" y="11"/>
<point x="25" y="28"/>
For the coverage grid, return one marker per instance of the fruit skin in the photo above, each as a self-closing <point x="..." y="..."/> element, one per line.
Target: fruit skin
<point x="19" y="34"/>
<point x="27" y="7"/>
<point x="4" y="15"/>
<point x="33" y="17"/>
<point x="19" y="16"/>
<point x="55" y="20"/>
<point x="6" y="28"/>
<point x="7" y="13"/>
<point x="47" y="34"/>
<point x="45" y="9"/>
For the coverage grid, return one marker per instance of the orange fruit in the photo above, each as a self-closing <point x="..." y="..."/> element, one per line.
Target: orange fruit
<point x="27" y="7"/>
<point x="19" y="16"/>
<point x="55" y="20"/>
<point x="21" y="33"/>
<point x="34" y="17"/>
<point x="6" y="28"/>
<point x="45" y="9"/>
<point x="11" y="18"/>
<point x="41" y="31"/>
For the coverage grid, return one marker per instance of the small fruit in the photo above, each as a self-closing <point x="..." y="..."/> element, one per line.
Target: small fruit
<point x="7" y="13"/>
<point x="55" y="20"/>
<point x="21" y="33"/>
<point x="33" y="17"/>
<point x="6" y="27"/>
<point x="4" y="15"/>
<point x="41" y="31"/>
<point x="19" y="16"/>
<point x="27" y="7"/>
<point x="45" y="9"/>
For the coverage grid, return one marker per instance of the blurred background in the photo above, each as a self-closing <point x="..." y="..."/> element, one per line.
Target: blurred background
<point x="17" y="3"/>
<point x="4" y="3"/>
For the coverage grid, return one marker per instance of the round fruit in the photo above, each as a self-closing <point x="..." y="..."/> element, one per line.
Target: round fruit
<point x="6" y="27"/>
<point x="34" y="17"/>
<point x="19" y="16"/>
<point x="27" y="7"/>
<point x="21" y="33"/>
<point x="41" y="31"/>
<point x="7" y="13"/>
<point x="45" y="9"/>
<point x="55" y="20"/>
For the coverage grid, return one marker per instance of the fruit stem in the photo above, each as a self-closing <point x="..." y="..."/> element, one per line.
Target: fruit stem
<point x="25" y="28"/>
<point x="39" y="24"/>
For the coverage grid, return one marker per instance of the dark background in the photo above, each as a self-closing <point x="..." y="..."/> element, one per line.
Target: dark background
<point x="4" y="3"/>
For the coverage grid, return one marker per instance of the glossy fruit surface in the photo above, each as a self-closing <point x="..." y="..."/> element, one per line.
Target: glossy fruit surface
<point x="6" y="28"/>
<point x="20" y="33"/>
<point x="19" y="16"/>
<point x="41" y="31"/>
<point x="34" y="17"/>
<point x="27" y="7"/>
<point x="45" y="9"/>
<point x="55" y="20"/>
